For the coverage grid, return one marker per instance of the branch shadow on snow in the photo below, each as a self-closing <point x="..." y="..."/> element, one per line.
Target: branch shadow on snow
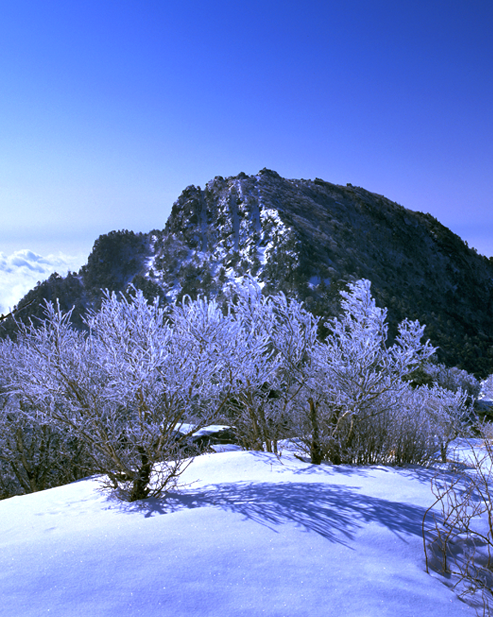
<point x="332" y="511"/>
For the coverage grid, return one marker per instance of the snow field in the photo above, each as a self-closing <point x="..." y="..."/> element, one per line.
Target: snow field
<point x="247" y="534"/>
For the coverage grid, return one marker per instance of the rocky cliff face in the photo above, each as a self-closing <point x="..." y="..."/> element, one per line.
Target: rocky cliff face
<point x="307" y="238"/>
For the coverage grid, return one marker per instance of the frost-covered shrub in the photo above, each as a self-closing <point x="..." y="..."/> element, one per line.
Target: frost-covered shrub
<point x="251" y="408"/>
<point x="453" y="379"/>
<point x="132" y="389"/>
<point x="357" y="382"/>
<point x="428" y="420"/>
<point x="450" y="414"/>
<point x="34" y="455"/>
<point x="126" y="388"/>
<point x="486" y="388"/>
<point x="275" y="339"/>
<point x="411" y="435"/>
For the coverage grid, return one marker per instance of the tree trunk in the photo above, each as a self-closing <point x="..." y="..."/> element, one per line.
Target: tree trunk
<point x="140" y="485"/>
<point x="315" y="448"/>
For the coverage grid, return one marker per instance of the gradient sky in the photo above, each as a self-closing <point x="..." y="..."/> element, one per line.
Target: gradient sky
<point x="110" y="108"/>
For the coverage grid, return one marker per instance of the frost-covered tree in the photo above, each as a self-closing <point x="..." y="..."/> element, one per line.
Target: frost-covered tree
<point x="276" y="336"/>
<point x="360" y="379"/>
<point x="129" y="387"/>
<point x="254" y="363"/>
<point x="449" y="378"/>
<point x="34" y="453"/>
<point x="486" y="388"/>
<point x="162" y="371"/>
<point x="450" y="413"/>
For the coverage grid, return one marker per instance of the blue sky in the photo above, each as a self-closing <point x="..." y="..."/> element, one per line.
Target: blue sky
<point x="110" y="108"/>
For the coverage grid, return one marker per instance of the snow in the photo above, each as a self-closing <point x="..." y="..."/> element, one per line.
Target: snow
<point x="247" y="534"/>
<point x="210" y="429"/>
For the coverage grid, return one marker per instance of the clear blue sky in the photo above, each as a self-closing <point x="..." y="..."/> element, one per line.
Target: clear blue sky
<point x="110" y="108"/>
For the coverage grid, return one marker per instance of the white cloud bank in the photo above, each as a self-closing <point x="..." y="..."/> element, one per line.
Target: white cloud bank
<point x="21" y="271"/>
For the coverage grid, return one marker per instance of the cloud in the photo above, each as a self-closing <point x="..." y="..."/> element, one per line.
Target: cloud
<point x="22" y="270"/>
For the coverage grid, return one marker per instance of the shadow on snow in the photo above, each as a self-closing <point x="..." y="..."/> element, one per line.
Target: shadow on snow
<point x="333" y="511"/>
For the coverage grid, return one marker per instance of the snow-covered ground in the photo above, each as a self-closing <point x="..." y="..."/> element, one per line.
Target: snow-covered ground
<point x="247" y="535"/>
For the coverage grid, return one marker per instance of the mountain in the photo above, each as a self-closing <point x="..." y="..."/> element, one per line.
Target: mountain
<point x="308" y="238"/>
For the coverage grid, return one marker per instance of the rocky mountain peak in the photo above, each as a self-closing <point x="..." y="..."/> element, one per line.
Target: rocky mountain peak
<point x="307" y="238"/>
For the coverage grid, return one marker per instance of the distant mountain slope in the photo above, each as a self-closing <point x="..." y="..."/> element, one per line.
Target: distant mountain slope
<point x="307" y="238"/>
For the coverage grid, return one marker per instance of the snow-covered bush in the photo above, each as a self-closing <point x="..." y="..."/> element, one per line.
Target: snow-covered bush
<point x="252" y="407"/>
<point x="357" y="382"/>
<point x="410" y="434"/>
<point x="276" y="338"/>
<point x="134" y="387"/>
<point x="486" y="388"/>
<point x="126" y="388"/>
<point x="427" y="420"/>
<point x="451" y="378"/>
<point x="34" y="455"/>
<point x="294" y="338"/>
<point x="450" y="414"/>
